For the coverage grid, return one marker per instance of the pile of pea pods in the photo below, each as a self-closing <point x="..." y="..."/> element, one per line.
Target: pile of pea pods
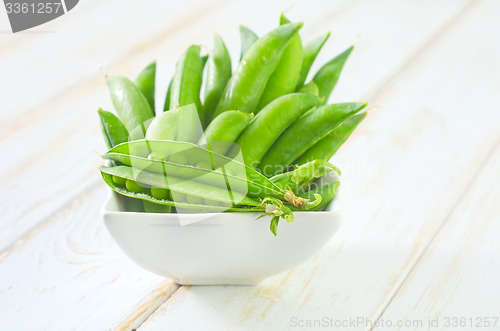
<point x="256" y="139"/>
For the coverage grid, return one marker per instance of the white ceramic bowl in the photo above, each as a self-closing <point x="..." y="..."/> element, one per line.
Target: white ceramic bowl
<point x="218" y="248"/>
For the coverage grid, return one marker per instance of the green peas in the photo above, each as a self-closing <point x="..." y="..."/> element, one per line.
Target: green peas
<point x="186" y="83"/>
<point x="179" y="187"/>
<point x="113" y="130"/>
<point x="118" y="180"/>
<point x="285" y="76"/>
<point x="310" y="52"/>
<point x="248" y="37"/>
<point x="132" y="186"/>
<point x="158" y="193"/>
<point x="131" y="105"/>
<point x="270" y="122"/>
<point x="304" y="133"/>
<point x="145" y="81"/>
<point x="328" y="75"/>
<point x="243" y="179"/>
<point x="218" y="73"/>
<point x="245" y="88"/>
<point x="224" y="130"/>
<point x="326" y="147"/>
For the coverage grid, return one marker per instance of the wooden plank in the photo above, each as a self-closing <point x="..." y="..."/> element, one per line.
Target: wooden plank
<point x="71" y="275"/>
<point x="66" y="129"/>
<point x="404" y="172"/>
<point x="69" y="61"/>
<point x="83" y="42"/>
<point x="455" y="283"/>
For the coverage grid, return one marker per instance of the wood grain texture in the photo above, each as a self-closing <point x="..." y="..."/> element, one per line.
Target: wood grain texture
<point x="457" y="276"/>
<point x="71" y="275"/>
<point x="419" y="151"/>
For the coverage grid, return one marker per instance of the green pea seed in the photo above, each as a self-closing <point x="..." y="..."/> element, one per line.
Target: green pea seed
<point x="159" y="193"/>
<point x="119" y="180"/>
<point x="132" y="186"/>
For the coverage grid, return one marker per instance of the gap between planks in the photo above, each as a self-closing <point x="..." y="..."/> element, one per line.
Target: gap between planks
<point x="182" y="23"/>
<point x="391" y="80"/>
<point x="413" y="264"/>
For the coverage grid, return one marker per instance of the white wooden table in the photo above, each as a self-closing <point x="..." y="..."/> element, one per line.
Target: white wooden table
<point x="420" y="242"/>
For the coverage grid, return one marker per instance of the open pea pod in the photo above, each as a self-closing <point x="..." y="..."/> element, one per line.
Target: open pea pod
<point x="181" y="205"/>
<point x="179" y="187"/>
<point x="186" y="159"/>
<point x="220" y="178"/>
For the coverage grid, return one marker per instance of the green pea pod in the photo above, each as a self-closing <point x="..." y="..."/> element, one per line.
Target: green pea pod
<point x="222" y="176"/>
<point x="248" y="38"/>
<point x="130" y="204"/>
<point x="180" y="186"/>
<point x="145" y="81"/>
<point x="186" y="83"/>
<point x="298" y="179"/>
<point x="167" y="98"/>
<point x="218" y="74"/>
<point x="284" y="78"/>
<point x="310" y="88"/>
<point x="328" y="75"/>
<point x="224" y="130"/>
<point x="310" y="52"/>
<point x="164" y="126"/>
<point x="179" y="124"/>
<point x="304" y="133"/>
<point x="131" y="105"/>
<point x="270" y="123"/>
<point x="326" y="147"/>
<point x="113" y="130"/>
<point x="151" y="207"/>
<point x="245" y="87"/>
<point x="192" y="162"/>
<point x="327" y="192"/>
<point x="177" y="204"/>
